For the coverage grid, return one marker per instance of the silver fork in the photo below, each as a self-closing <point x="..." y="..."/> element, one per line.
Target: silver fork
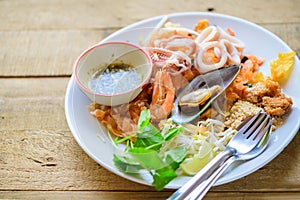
<point x="203" y="188"/>
<point x="247" y="138"/>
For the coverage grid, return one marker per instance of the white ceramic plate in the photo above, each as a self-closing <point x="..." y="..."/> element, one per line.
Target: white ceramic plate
<point x="92" y="137"/>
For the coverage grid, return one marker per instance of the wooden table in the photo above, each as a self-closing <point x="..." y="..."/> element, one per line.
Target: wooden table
<point x="39" y="41"/>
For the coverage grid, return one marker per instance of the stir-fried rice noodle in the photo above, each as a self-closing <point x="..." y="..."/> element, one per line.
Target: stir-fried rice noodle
<point x="211" y="130"/>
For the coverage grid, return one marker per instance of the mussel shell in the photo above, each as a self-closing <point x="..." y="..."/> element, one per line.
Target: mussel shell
<point x="222" y="77"/>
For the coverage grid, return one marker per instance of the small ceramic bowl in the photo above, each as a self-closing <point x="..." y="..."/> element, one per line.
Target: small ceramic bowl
<point x="99" y="56"/>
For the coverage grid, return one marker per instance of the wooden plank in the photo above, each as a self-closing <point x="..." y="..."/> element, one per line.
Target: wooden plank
<point x="70" y="14"/>
<point x="38" y="152"/>
<point x="90" y="195"/>
<point x="32" y="104"/>
<point x="44" y="53"/>
<point x="52" y="160"/>
<point x="252" y="196"/>
<point x="37" y="149"/>
<point x="23" y="54"/>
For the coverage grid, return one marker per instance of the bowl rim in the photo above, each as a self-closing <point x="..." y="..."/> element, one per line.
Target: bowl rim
<point x="85" y="52"/>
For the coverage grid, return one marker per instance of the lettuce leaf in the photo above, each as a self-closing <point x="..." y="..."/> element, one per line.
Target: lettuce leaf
<point x="145" y="153"/>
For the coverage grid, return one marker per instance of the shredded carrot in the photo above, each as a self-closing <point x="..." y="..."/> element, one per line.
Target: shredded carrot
<point x="202" y="24"/>
<point x="230" y="31"/>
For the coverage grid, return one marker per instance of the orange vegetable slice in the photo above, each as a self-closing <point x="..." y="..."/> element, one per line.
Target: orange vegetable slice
<point x="281" y="68"/>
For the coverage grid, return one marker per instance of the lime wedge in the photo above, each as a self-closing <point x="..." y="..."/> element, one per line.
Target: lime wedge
<point x="196" y="163"/>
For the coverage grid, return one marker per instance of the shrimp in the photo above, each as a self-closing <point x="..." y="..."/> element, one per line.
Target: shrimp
<point x="163" y="96"/>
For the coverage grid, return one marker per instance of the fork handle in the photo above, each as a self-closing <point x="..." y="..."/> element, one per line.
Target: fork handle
<point x="200" y="191"/>
<point x="203" y="174"/>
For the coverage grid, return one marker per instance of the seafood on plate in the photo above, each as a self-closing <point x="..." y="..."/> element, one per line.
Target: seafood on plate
<point x="180" y="54"/>
<point x="217" y="48"/>
<point x="181" y="57"/>
<point x="173" y="37"/>
<point x="199" y="97"/>
<point x="177" y="64"/>
<point x="163" y="96"/>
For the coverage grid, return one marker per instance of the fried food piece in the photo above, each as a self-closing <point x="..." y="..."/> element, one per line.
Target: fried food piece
<point x="268" y="94"/>
<point x="259" y="90"/>
<point x="277" y="105"/>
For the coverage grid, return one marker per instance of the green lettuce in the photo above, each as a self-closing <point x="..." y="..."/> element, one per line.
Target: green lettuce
<point x="145" y="153"/>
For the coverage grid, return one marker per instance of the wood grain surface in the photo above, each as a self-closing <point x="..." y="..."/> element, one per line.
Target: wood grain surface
<point x="40" y="40"/>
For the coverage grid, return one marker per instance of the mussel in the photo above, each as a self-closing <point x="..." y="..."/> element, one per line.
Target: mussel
<point x="200" y="93"/>
<point x="199" y="97"/>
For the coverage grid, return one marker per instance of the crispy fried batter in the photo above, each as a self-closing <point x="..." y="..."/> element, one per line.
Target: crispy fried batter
<point x="273" y="87"/>
<point x="277" y="105"/>
<point x="259" y="90"/>
<point x="255" y="93"/>
<point x="268" y="94"/>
